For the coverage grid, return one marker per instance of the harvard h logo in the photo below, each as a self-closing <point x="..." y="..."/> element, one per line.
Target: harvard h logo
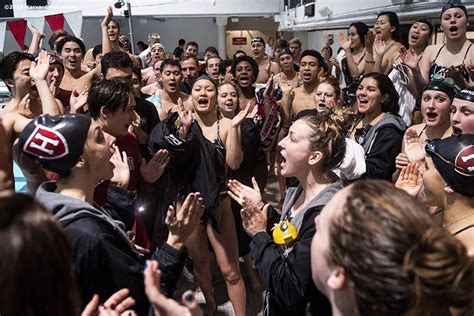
<point x="46" y="143"/>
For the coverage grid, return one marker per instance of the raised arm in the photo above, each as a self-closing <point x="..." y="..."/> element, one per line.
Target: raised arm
<point x="355" y="70"/>
<point x="35" y="40"/>
<point x="106" y="44"/>
<point x="38" y="72"/>
<point x="234" y="154"/>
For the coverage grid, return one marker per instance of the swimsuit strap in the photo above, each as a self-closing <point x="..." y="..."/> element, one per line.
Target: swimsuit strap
<point x="467" y="51"/>
<point x="463" y="229"/>
<point x="218" y="129"/>
<point x="421" y="133"/>
<point x="438" y="53"/>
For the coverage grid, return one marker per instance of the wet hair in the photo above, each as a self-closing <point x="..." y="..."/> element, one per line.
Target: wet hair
<point x="296" y="41"/>
<point x="67" y="39"/>
<point x="192" y="43"/>
<point x="54" y="37"/>
<point x="223" y="66"/>
<point x="187" y="56"/>
<point x="385" y="86"/>
<point x="96" y="51"/>
<point x="9" y="63"/>
<point x="315" y="54"/>
<point x="208" y="78"/>
<point x="170" y="62"/>
<point x="212" y="57"/>
<point x="181" y="42"/>
<point x="238" y="52"/>
<point x="334" y="83"/>
<point x="115" y="59"/>
<point x="141" y="45"/>
<point x="112" y="94"/>
<point x="248" y="59"/>
<point x="361" y="29"/>
<point x="36" y="261"/>
<point x="398" y="258"/>
<point x="328" y="135"/>
<point x="281" y="43"/>
<point x="393" y="19"/>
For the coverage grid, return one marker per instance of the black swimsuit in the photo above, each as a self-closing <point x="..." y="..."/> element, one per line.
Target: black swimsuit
<point x="436" y="69"/>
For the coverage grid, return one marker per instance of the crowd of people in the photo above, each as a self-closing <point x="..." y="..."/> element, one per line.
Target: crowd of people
<point x="141" y="166"/>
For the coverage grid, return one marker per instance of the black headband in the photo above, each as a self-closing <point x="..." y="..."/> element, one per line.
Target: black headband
<point x="258" y="39"/>
<point x="429" y="23"/>
<point x="285" y="51"/>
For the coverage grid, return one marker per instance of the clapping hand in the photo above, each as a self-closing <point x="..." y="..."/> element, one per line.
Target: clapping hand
<point x="39" y="70"/>
<point x="239" y="118"/>
<point x="121" y="176"/>
<point x="344" y="42"/>
<point x="414" y="148"/>
<point x="254" y="220"/>
<point x="116" y="305"/>
<point x="78" y="101"/>
<point x="245" y="195"/>
<point x="154" y="169"/>
<point x="410" y="179"/>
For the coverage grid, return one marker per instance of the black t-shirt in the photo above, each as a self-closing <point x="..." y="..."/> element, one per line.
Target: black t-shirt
<point x="148" y="115"/>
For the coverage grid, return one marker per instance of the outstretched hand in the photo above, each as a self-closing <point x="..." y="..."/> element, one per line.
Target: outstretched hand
<point x="239" y="118"/>
<point x="108" y="17"/>
<point x="245" y="195"/>
<point x="24" y="108"/>
<point x="39" y="69"/>
<point x="184" y="221"/>
<point x="161" y="304"/>
<point x="117" y="304"/>
<point x="121" y="176"/>
<point x="344" y="42"/>
<point x="409" y="57"/>
<point x="414" y="148"/>
<point x="185" y="119"/>
<point x="78" y="101"/>
<point x="410" y="180"/>
<point x="154" y="169"/>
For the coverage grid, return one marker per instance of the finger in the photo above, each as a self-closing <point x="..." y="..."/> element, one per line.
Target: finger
<point x="143" y="164"/>
<point x="169" y="215"/>
<point x="188" y="204"/>
<point x="116" y="298"/>
<point x="91" y="307"/>
<point x="189" y="300"/>
<point x="124" y="157"/>
<point x="403" y="173"/>
<point x="152" y="281"/>
<point x="125" y="304"/>
<point x="165" y="163"/>
<point x="234" y="197"/>
<point x="255" y="185"/>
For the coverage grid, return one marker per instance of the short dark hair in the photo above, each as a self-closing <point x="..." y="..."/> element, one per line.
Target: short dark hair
<point x="239" y="51"/>
<point x="137" y="71"/>
<point x="248" y="59"/>
<point x="211" y="49"/>
<point x="54" y="37"/>
<point x="181" y="42"/>
<point x="315" y="54"/>
<point x="97" y="50"/>
<point x="223" y="66"/>
<point x="191" y="43"/>
<point x="113" y="95"/>
<point x="281" y="43"/>
<point x="115" y="59"/>
<point x="170" y="62"/>
<point x="67" y="39"/>
<point x="11" y="61"/>
<point x="385" y="86"/>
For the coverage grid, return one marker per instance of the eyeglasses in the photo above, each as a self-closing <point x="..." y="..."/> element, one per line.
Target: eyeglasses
<point x="431" y="149"/>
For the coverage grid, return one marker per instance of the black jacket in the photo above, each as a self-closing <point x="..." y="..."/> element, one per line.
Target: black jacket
<point x="105" y="260"/>
<point x="287" y="276"/>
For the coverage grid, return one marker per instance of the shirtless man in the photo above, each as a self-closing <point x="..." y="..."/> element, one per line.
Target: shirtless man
<point x="170" y="78"/>
<point x="302" y="97"/>
<point x="295" y="48"/>
<point x="265" y="65"/>
<point x="31" y="97"/>
<point x="152" y="85"/>
<point x="288" y="78"/>
<point x="212" y="67"/>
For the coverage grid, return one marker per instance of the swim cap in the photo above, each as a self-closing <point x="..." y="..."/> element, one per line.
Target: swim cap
<point x="56" y="142"/>
<point x="453" y="4"/>
<point x="466" y="94"/>
<point x="285" y="51"/>
<point x="258" y="39"/>
<point x="454" y="159"/>
<point x="157" y="46"/>
<point x="427" y="22"/>
<point x="443" y="85"/>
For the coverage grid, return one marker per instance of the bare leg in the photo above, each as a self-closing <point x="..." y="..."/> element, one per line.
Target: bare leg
<point x="227" y="255"/>
<point x="255" y="284"/>
<point x="199" y="252"/>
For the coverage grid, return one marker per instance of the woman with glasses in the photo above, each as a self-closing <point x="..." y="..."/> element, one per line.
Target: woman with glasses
<point x="435" y="108"/>
<point x="448" y="59"/>
<point x="378" y="129"/>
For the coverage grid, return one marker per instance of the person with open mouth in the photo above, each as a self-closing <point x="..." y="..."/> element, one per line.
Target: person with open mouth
<point x="446" y="59"/>
<point x="383" y="49"/>
<point x="379" y="129"/>
<point x="435" y="109"/>
<point x="462" y="112"/>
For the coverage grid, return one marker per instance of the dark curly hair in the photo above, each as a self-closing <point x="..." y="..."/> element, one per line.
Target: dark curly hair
<point x="248" y="59"/>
